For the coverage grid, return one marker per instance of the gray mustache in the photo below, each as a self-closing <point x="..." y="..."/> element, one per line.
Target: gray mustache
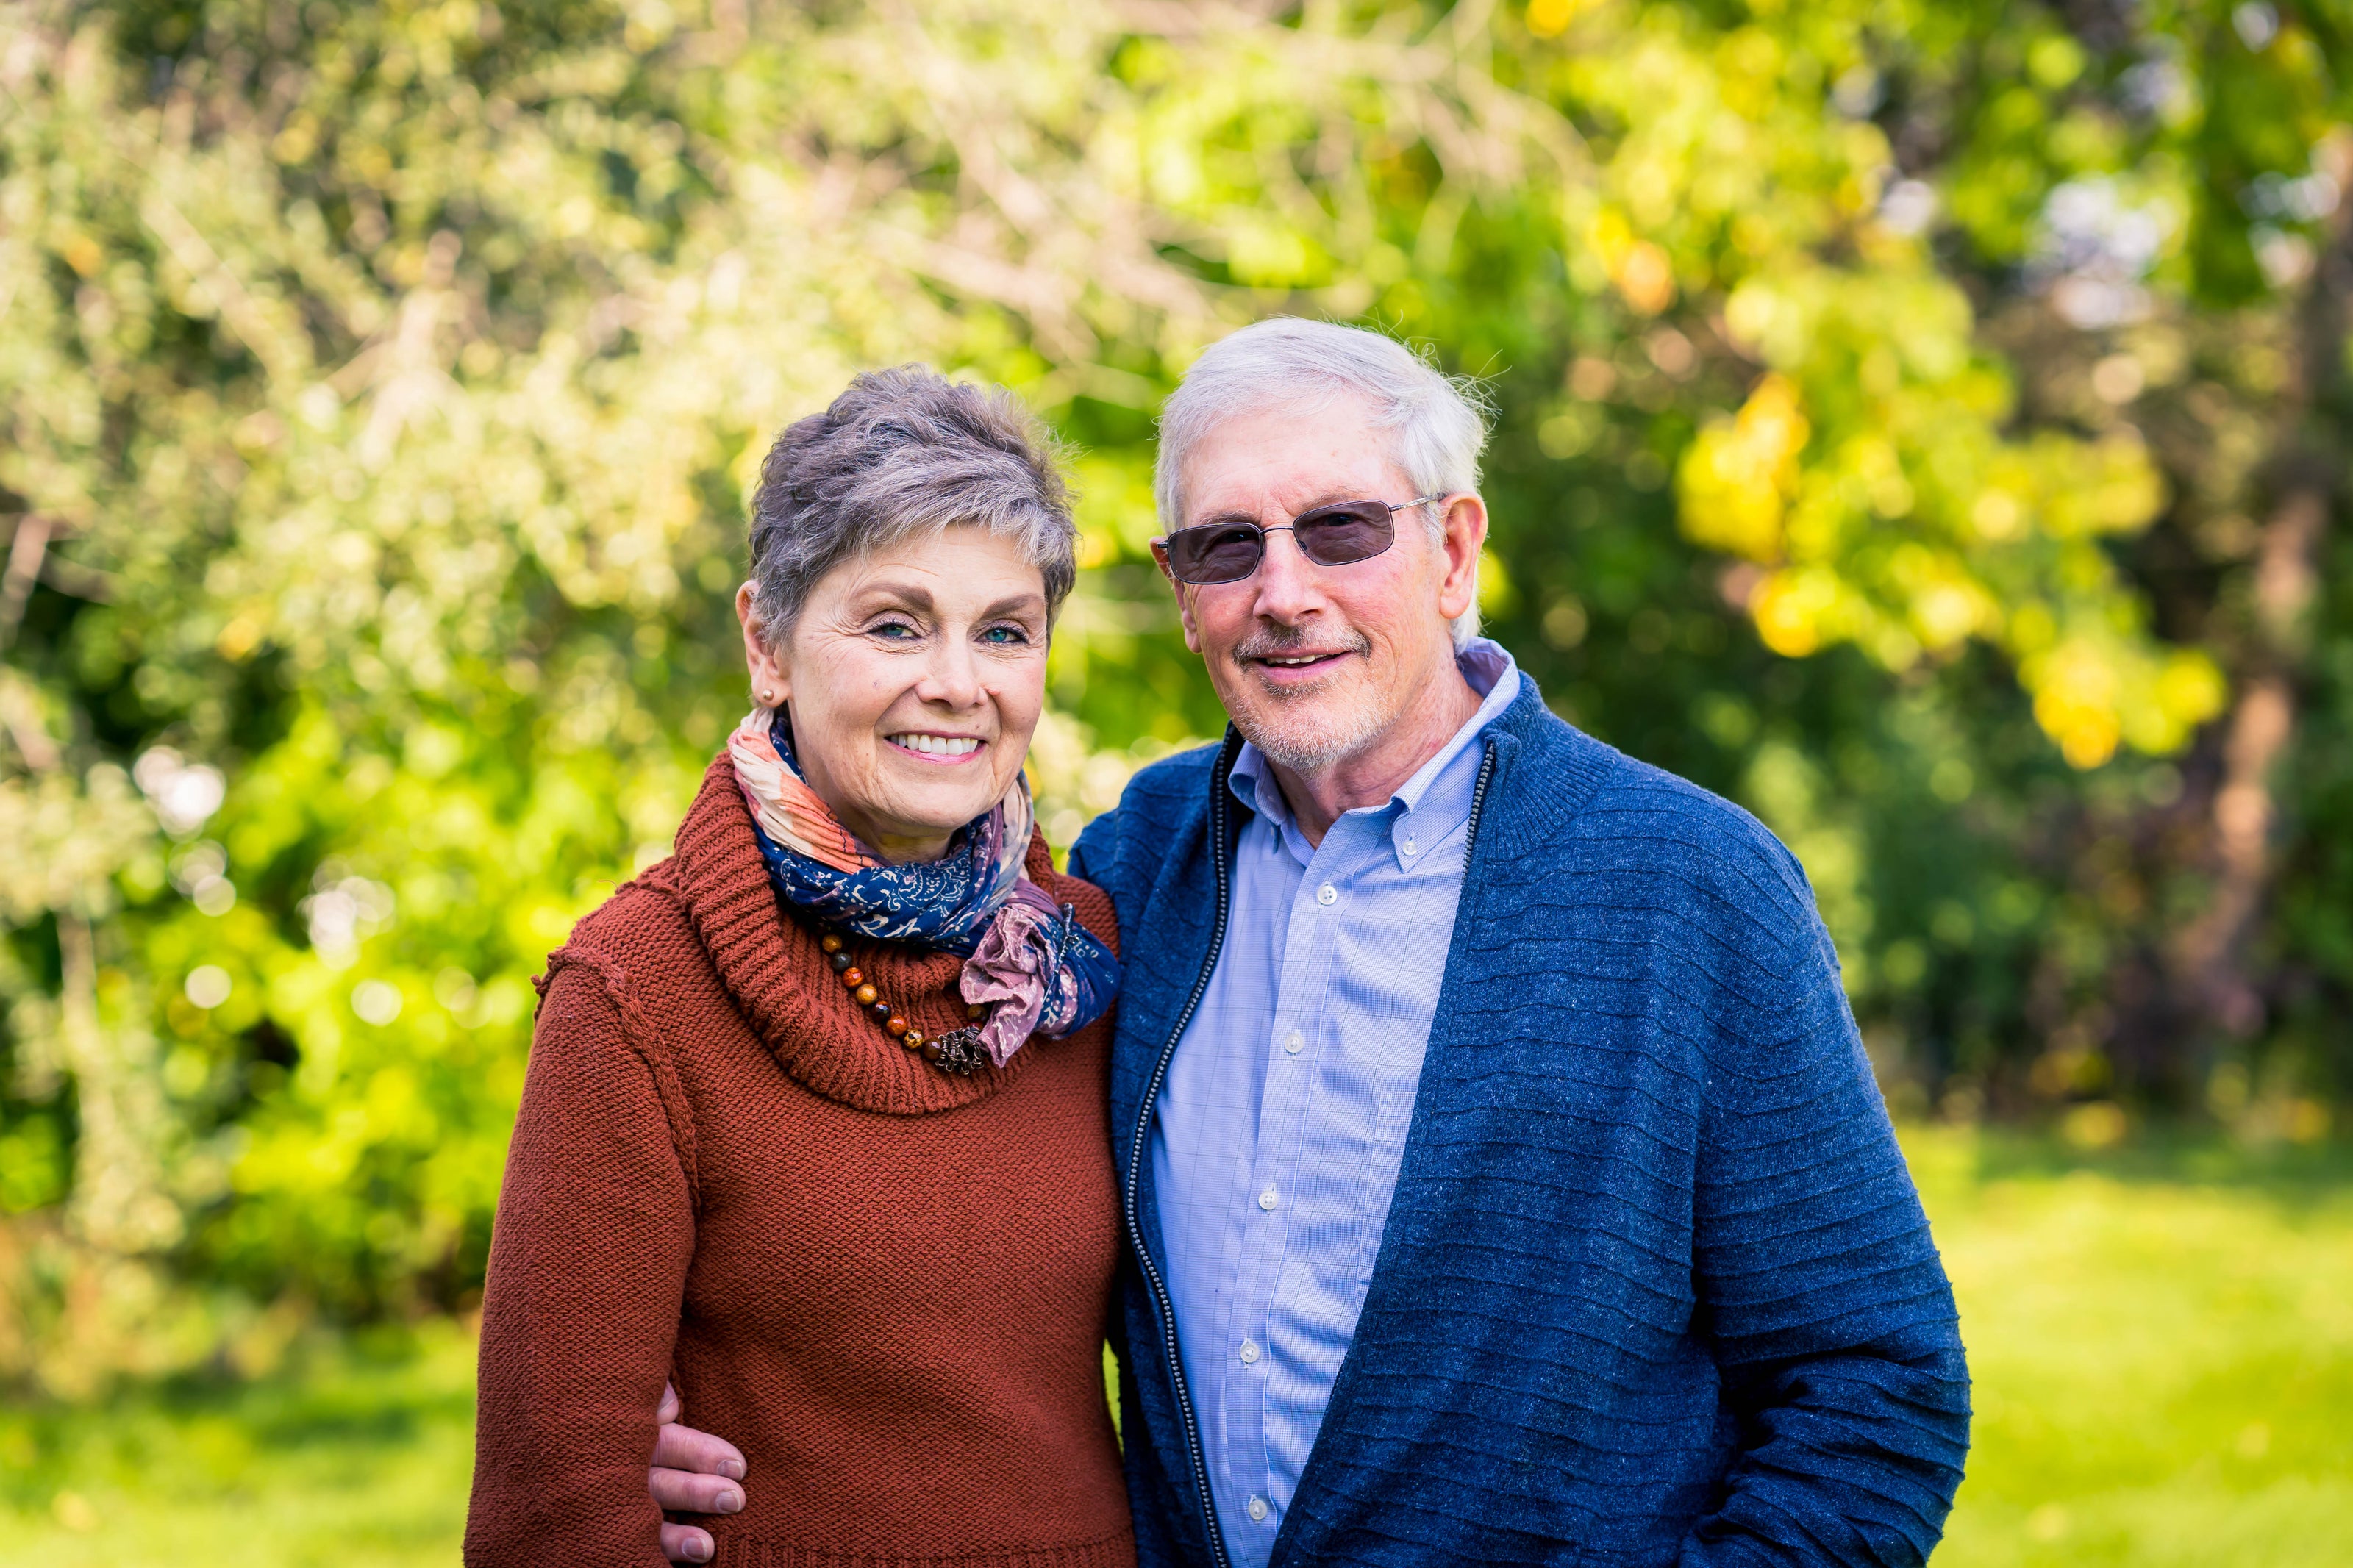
<point x="1263" y="645"/>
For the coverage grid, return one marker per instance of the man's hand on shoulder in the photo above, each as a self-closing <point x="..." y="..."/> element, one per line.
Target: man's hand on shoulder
<point x="693" y="1472"/>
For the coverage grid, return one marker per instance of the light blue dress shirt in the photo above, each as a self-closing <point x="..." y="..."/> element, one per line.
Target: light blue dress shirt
<point x="1277" y="1133"/>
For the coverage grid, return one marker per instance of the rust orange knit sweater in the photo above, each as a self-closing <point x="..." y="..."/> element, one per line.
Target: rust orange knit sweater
<point x="887" y="1286"/>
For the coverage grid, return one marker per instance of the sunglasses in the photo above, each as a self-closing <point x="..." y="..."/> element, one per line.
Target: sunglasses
<point x="1340" y="534"/>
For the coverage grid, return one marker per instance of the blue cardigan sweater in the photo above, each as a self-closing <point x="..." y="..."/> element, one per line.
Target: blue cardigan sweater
<point x="1655" y="1288"/>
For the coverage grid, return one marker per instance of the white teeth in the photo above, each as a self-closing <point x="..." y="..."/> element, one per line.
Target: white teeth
<point x="938" y="745"/>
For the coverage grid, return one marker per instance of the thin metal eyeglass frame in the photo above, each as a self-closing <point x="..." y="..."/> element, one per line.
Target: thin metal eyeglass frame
<point x="1291" y="528"/>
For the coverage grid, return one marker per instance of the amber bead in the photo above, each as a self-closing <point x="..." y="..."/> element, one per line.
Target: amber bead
<point x="973" y="1010"/>
<point x="881" y="1011"/>
<point x="865" y="994"/>
<point x="853" y="977"/>
<point x="931" y="1051"/>
<point x="830" y="943"/>
<point x="895" y="1024"/>
<point x="913" y="1040"/>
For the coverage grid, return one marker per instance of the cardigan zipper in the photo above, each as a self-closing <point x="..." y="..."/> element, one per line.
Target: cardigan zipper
<point x="1184" y="1411"/>
<point x="1189" y="1420"/>
<point x="1470" y="847"/>
<point x="1478" y="804"/>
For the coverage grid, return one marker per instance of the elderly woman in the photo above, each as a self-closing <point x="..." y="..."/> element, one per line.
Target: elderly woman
<point x="814" y="1125"/>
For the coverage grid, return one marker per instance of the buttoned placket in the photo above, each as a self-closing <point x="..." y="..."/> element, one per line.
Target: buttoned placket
<point x="1354" y="841"/>
<point x="1275" y="1166"/>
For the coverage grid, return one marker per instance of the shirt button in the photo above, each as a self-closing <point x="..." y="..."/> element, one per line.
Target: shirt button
<point x="1408" y="845"/>
<point x="1326" y="894"/>
<point x="1296" y="1043"/>
<point x="1257" y="1508"/>
<point x="1266" y="1200"/>
<point x="1250" y="1352"/>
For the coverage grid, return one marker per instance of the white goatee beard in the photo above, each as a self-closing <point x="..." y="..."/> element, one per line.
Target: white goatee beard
<point x="1302" y="750"/>
<point x="1295" y="736"/>
<point x="1291" y="734"/>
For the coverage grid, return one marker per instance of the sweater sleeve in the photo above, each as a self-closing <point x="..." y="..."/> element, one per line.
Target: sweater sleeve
<point x="587" y="1270"/>
<point x="1822" y="1297"/>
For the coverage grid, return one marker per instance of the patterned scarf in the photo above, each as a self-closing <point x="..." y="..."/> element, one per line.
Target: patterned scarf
<point x="1041" y="971"/>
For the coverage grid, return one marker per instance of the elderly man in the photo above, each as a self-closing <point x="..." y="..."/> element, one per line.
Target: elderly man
<point x="1504" y="1178"/>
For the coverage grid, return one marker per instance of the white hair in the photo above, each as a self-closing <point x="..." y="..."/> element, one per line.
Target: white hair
<point x="1437" y="422"/>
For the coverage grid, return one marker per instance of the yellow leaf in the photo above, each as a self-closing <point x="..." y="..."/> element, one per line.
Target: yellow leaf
<point x="1738" y="473"/>
<point x="1645" y="277"/>
<point x="1550" y="18"/>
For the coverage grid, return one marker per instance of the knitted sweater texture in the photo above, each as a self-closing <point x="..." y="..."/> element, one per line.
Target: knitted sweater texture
<point x="1655" y="1287"/>
<point x="887" y="1286"/>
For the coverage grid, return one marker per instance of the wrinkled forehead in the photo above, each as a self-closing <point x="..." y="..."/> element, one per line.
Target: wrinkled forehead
<point x="1275" y="462"/>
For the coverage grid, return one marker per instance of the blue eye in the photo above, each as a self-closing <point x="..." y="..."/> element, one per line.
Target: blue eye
<point x="898" y="631"/>
<point x="1006" y="636"/>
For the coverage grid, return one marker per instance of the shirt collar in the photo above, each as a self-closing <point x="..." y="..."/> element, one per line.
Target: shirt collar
<point x="1491" y="672"/>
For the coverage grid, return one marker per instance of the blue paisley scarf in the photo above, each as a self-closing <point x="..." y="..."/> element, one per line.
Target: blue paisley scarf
<point x="1036" y="967"/>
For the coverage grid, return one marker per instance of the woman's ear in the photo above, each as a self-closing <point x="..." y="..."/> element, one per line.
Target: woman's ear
<point x="768" y="682"/>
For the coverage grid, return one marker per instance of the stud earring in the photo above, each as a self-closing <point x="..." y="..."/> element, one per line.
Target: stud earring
<point x="767" y="697"/>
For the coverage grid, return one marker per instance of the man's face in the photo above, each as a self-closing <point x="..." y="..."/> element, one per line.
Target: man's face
<point x="1317" y="663"/>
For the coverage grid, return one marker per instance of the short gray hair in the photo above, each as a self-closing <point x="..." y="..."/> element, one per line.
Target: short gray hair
<point x="1437" y="422"/>
<point x="901" y="454"/>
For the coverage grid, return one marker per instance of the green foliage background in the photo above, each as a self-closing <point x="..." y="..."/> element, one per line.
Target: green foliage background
<point x="1923" y="424"/>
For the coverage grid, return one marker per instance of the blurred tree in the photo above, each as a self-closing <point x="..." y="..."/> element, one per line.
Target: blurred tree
<point x="1916" y="422"/>
<point x="1967" y="328"/>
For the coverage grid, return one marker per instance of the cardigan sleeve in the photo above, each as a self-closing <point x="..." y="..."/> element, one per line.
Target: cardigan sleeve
<point x="1822" y="1297"/>
<point x="587" y="1270"/>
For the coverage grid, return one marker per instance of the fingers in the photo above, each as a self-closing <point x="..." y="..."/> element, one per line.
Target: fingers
<point x="693" y="1472"/>
<point x="684" y="1544"/>
<point x="670" y="1409"/>
<point x="684" y="1491"/>
<point x="680" y="1448"/>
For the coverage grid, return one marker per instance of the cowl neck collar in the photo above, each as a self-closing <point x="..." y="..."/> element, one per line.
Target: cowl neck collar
<point x="773" y="971"/>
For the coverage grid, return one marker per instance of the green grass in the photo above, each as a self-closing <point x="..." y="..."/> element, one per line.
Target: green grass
<point x="2162" y="1338"/>
<point x="2162" y="1345"/>
<point x="359" y="1460"/>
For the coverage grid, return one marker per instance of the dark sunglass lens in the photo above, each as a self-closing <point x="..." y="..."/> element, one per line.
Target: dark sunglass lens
<point x="1336" y="535"/>
<point x="1221" y="552"/>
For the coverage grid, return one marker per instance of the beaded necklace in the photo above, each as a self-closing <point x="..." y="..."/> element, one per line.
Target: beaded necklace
<point x="958" y="1051"/>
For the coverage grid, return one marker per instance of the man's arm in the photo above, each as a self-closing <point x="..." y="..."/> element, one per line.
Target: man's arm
<point x="1826" y="1305"/>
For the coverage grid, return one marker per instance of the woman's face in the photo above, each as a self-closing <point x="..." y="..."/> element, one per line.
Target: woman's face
<point x="915" y="678"/>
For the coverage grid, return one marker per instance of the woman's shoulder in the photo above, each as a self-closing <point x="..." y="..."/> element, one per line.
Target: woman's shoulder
<point x="1093" y="905"/>
<point x="637" y="941"/>
<point x="643" y="917"/>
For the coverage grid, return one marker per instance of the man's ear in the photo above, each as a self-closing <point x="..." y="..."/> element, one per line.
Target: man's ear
<point x="1465" y="537"/>
<point x="1184" y="600"/>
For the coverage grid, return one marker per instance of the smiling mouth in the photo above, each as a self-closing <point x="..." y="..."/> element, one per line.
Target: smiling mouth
<point x="1299" y="660"/>
<point x="939" y="748"/>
